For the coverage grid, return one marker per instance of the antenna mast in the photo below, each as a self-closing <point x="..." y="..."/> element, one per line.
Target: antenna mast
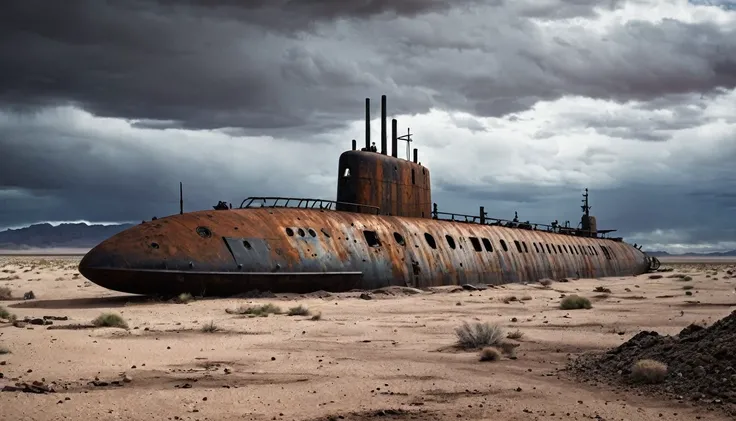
<point x="181" y="199"/>
<point x="407" y="138"/>
<point x="586" y="207"/>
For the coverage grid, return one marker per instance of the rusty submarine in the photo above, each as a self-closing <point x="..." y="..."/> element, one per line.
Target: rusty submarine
<point x="382" y="230"/>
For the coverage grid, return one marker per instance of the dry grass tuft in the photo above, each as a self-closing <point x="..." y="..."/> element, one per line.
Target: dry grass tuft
<point x="575" y="302"/>
<point x="649" y="371"/>
<point x="490" y="354"/>
<point x="299" y="310"/>
<point x="517" y="334"/>
<point x="6" y="293"/>
<point x="259" y="311"/>
<point x="210" y="327"/>
<point x="110" y="320"/>
<point x="317" y="316"/>
<point x="184" y="298"/>
<point x="5" y="314"/>
<point x="478" y="335"/>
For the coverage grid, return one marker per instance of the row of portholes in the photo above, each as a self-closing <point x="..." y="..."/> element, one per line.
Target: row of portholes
<point x="300" y="231"/>
<point x="479" y="244"/>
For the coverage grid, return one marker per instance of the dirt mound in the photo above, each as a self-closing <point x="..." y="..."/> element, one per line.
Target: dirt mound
<point x="701" y="363"/>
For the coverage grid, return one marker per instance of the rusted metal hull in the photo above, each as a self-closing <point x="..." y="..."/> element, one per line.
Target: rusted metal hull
<point x="302" y="250"/>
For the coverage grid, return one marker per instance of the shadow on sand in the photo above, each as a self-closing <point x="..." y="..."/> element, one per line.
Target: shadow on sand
<point x="81" y="303"/>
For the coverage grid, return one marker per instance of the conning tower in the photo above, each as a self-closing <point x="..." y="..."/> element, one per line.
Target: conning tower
<point x="383" y="184"/>
<point x="587" y="223"/>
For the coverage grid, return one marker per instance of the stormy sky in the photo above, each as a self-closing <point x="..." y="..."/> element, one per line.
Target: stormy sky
<point x="516" y="105"/>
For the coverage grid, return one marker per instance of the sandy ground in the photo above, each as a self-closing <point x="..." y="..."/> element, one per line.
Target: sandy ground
<point x="389" y="353"/>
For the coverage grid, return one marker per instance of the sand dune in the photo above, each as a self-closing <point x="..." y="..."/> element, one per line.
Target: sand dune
<point x="387" y="357"/>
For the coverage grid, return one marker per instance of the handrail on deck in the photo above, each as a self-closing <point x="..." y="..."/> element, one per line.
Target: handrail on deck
<point x="484" y="220"/>
<point x="303" y="203"/>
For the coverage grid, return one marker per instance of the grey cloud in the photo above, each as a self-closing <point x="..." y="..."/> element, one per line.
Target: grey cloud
<point x="229" y="64"/>
<point x="76" y="171"/>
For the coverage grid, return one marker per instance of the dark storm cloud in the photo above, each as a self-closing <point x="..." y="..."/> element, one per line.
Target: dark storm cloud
<point x="276" y="64"/>
<point x="56" y="167"/>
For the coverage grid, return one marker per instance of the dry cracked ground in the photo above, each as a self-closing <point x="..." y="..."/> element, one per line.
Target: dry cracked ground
<point x="388" y="355"/>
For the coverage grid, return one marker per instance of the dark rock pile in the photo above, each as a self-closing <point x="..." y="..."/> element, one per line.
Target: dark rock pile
<point x="701" y="363"/>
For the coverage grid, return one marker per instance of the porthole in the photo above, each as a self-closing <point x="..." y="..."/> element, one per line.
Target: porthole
<point x="301" y="232"/>
<point x="154" y="245"/>
<point x="503" y="245"/>
<point x="518" y="245"/>
<point x="290" y="232"/>
<point x="326" y="233"/>
<point x="487" y="244"/>
<point x="247" y="245"/>
<point x="450" y="241"/>
<point x="204" y="232"/>
<point x="476" y="243"/>
<point x="430" y="240"/>
<point x="311" y="232"/>
<point x="371" y="237"/>
<point x="399" y="239"/>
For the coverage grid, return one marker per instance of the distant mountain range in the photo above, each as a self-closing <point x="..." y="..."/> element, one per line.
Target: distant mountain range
<point x="714" y="254"/>
<point x="66" y="236"/>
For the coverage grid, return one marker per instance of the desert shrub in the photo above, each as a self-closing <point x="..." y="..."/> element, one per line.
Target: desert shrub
<point x="5" y="314"/>
<point x="649" y="371"/>
<point x="210" y="327"/>
<point x="4" y="350"/>
<point x="526" y="298"/>
<point x="184" y="298"/>
<point x="545" y="282"/>
<point x="655" y="276"/>
<point x="6" y="293"/>
<point x="602" y="289"/>
<point x="687" y="287"/>
<point x="509" y="299"/>
<point x="490" y="354"/>
<point x="110" y="320"/>
<point x="299" y="310"/>
<point x="575" y="302"/>
<point x="517" y="334"/>
<point x="478" y="335"/>
<point x="317" y="316"/>
<point x="262" y="310"/>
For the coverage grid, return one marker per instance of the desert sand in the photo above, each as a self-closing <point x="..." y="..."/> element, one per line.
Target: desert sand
<point x="387" y="357"/>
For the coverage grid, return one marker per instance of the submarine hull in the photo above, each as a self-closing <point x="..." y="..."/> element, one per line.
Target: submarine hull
<point x="227" y="252"/>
